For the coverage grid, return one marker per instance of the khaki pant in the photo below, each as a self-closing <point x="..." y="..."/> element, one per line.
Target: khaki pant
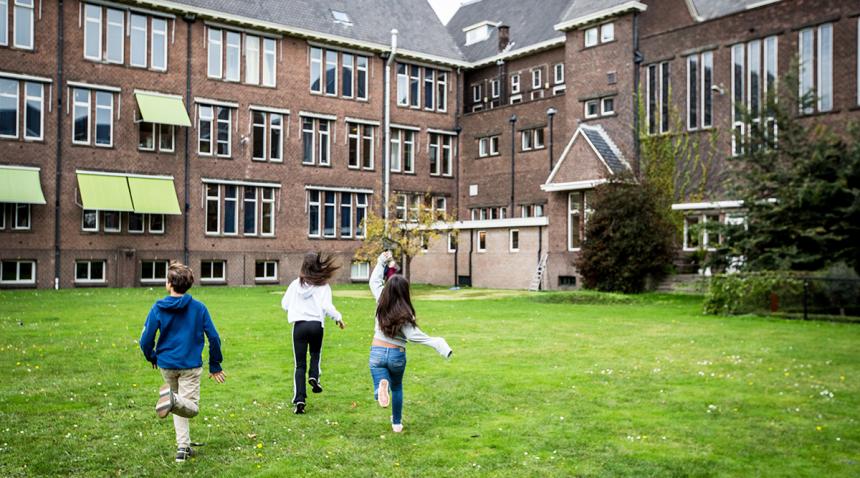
<point x="185" y="385"/>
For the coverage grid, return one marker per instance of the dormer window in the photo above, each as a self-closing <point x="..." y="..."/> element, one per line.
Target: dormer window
<point x="478" y="32"/>
<point x="341" y="17"/>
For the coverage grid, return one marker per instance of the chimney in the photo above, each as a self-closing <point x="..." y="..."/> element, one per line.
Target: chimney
<point x="504" y="37"/>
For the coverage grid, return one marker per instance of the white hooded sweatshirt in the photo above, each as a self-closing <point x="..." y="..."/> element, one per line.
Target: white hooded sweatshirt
<point x="309" y="302"/>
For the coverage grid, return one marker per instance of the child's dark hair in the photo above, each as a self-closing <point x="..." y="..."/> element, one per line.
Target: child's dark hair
<point x="395" y="306"/>
<point x="317" y="269"/>
<point x="180" y="277"/>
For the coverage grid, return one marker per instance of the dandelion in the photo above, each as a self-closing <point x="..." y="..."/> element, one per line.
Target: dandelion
<point x="259" y="445"/>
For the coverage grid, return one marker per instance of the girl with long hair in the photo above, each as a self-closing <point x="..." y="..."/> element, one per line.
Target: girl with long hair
<point x="395" y="326"/>
<point x="308" y="302"/>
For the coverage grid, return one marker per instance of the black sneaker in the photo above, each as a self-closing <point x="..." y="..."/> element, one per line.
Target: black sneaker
<point x="315" y="385"/>
<point x="184" y="453"/>
<point x="300" y="408"/>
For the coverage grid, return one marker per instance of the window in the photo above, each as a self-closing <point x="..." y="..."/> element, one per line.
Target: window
<point x="21" y="217"/>
<point x="316" y="70"/>
<point x="266" y="271"/>
<point x="115" y="39"/>
<point x="150" y="134"/>
<point x="267" y="211"/>
<point x="515" y="84"/>
<point x="112" y="221"/>
<point x="429" y="89"/>
<point x="360" y="271"/>
<point x="135" y="223"/>
<point x="214" y="131"/>
<point x="270" y="67"/>
<point x="316" y="141"/>
<point x="476" y="94"/>
<point x="267" y="129"/>
<point x="537" y="82"/>
<point x="402" y="150"/>
<point x="514" y="241"/>
<point x="8" y="108"/>
<point x="816" y="68"/>
<point x="104" y="118"/>
<point x="699" y="231"/>
<point x="4" y="23"/>
<point x="707" y="88"/>
<point x="527" y="140"/>
<point x="90" y="272"/>
<point x="532" y="139"/>
<point x="607" y="106"/>
<point x="482" y="241"/>
<point x="252" y="59"/>
<point x="18" y="272"/>
<point x="477" y="34"/>
<point x="213" y="271"/>
<point x="249" y="208"/>
<point x="657" y="106"/>
<point x="213" y="209"/>
<point x="607" y="32"/>
<point x="233" y="57"/>
<point x="401" y="206"/>
<point x="329" y="214"/>
<point x="90" y="220"/>
<point x="414" y="93"/>
<point x="360" y="142"/>
<point x="402" y="85"/>
<point x="92" y="32"/>
<point x="592" y="109"/>
<point x="410" y="79"/>
<point x="452" y="242"/>
<point x="558" y="73"/>
<point x="591" y="37"/>
<point x="440" y="155"/>
<point x="23" y="24"/>
<point x="577" y="215"/>
<point x="442" y="91"/>
<point x="754" y="72"/>
<point x="156" y="223"/>
<point x="313" y="213"/>
<point x="330" y="72"/>
<point x="137" y="40"/>
<point x="153" y="272"/>
<point x="699" y="95"/>
<point x="231" y="208"/>
<point x="494" y="88"/>
<point x="215" y="52"/>
<point x="158" y="58"/>
<point x="360" y="213"/>
<point x="347" y="70"/>
<point x="341" y="17"/>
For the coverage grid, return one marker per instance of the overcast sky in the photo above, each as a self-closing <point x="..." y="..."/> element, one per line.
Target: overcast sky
<point x="445" y="8"/>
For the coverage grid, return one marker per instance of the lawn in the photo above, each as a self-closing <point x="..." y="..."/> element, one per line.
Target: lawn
<point x="546" y="384"/>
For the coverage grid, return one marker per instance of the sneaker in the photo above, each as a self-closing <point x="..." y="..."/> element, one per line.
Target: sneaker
<point x="300" y="408"/>
<point x="164" y="390"/>
<point x="165" y="404"/>
<point x="184" y="453"/>
<point x="382" y="394"/>
<point x="315" y="385"/>
<point x="397" y="428"/>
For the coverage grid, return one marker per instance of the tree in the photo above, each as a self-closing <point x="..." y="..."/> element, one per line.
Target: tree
<point x="629" y="238"/>
<point x="800" y="184"/>
<point x="407" y="238"/>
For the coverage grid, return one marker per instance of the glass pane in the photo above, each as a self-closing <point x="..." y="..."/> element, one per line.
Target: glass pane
<point x="347" y="74"/>
<point x="25" y="271"/>
<point x="233" y="45"/>
<point x="138" y="40"/>
<point x="159" y="43"/>
<point x="33" y="110"/>
<point x="250" y="210"/>
<point x="92" y="31"/>
<point x="331" y="72"/>
<point x="165" y="135"/>
<point x="135" y="222"/>
<point x="8" y="107"/>
<point x="252" y="59"/>
<point x="115" y="35"/>
<point x="82" y="270"/>
<point x="147" y="139"/>
<point x="97" y="270"/>
<point x="214" y="53"/>
<point x="104" y="118"/>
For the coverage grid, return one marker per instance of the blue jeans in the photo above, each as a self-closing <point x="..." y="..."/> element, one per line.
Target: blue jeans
<point x="389" y="364"/>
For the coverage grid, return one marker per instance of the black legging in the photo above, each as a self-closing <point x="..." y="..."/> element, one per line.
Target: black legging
<point x="306" y="334"/>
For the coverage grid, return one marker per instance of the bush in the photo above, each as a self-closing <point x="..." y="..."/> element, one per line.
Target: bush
<point x="732" y="294"/>
<point x="629" y="239"/>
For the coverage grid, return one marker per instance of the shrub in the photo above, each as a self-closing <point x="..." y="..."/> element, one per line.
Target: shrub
<point x="732" y="294"/>
<point x="629" y="239"/>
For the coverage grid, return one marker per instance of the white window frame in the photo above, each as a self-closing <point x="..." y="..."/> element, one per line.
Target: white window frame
<point x="16" y="208"/>
<point x="596" y="103"/>
<point x="266" y="277"/>
<point x="707" y="62"/>
<point x="222" y="205"/>
<point x="89" y="279"/>
<point x="442" y="91"/>
<point x="324" y="135"/>
<point x="214" y="43"/>
<point x="313" y="139"/>
<point x="92" y="26"/>
<point x="325" y="205"/>
<point x="494" y="88"/>
<point x="476" y="94"/>
<point x="25" y="7"/>
<point x="144" y="37"/>
<point x="88" y="106"/>
<point x="153" y="230"/>
<point x="511" y="247"/>
<point x="346" y="211"/>
<point x="83" y="217"/>
<point x="270" y="62"/>
<point x="265" y="130"/>
<point x="264" y="201"/>
<point x="452" y="242"/>
<point x="17" y="99"/>
<point x="245" y="200"/>
<point x="143" y="219"/>
<point x="216" y="110"/>
<point x="18" y="280"/>
<point x="537" y="79"/>
<point x="591" y="37"/>
<point x="431" y="80"/>
<point x="515" y="84"/>
<point x="318" y="205"/>
<point x="570" y="213"/>
<point x="607" y="32"/>
<point x="316" y="64"/>
<point x="402" y="84"/>
<point x="363" y="271"/>
<point x="806" y="77"/>
<point x="118" y="228"/>
<point x="558" y="73"/>
<point x="4" y="23"/>
<point x="153" y="279"/>
<point x="232" y="51"/>
<point x="118" y="47"/>
<point x="693" y="65"/>
<point x="483" y="147"/>
<point x="824" y="69"/>
<point x="326" y="64"/>
<point x="160" y="135"/>
<point x="211" y="278"/>
<point x="280" y="142"/>
<point x="155" y="55"/>
<point x="494" y="145"/>
<point x="206" y="114"/>
<point x="217" y="199"/>
<point x="527" y="140"/>
<point x="110" y="110"/>
<point x="252" y="59"/>
<point x="361" y="204"/>
<point x="482" y="241"/>
<point x="40" y="99"/>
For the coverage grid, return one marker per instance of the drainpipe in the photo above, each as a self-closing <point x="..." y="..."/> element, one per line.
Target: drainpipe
<point x="189" y="19"/>
<point x="513" y="121"/>
<point x="540" y="253"/>
<point x="471" y="252"/>
<point x="637" y="62"/>
<point x="550" y="114"/>
<point x="458" y="115"/>
<point x="58" y="173"/>
<point x="386" y="178"/>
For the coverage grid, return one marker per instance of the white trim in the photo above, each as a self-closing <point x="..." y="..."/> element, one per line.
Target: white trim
<point x="93" y="86"/>
<point x="224" y="26"/>
<point x="762" y="3"/>
<point x="573" y="186"/>
<point x="550" y="187"/>
<point x="695" y="206"/>
<point x="507" y="223"/>
<point x="122" y="175"/>
<point x="19" y="76"/>
<point x="608" y="12"/>
<point x="480" y="24"/>
<point x="691" y="8"/>
<point x="239" y="182"/>
<point x="156" y="93"/>
<point x="210" y="102"/>
<point x="511" y="247"/>
<point x="20" y="168"/>
<point x="403" y="126"/>
<point x="268" y="109"/>
<point x="544" y="45"/>
<point x="337" y="189"/>
<point x="322" y="116"/>
<point x="350" y="119"/>
<point x="442" y="131"/>
<point x="120" y="6"/>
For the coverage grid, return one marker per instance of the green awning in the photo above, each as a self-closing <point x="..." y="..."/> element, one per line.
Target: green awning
<point x="105" y="192"/>
<point x="153" y="195"/>
<point x="20" y="184"/>
<point x="162" y="109"/>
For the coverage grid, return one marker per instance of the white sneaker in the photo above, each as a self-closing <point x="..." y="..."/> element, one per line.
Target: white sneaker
<point x="397" y="428"/>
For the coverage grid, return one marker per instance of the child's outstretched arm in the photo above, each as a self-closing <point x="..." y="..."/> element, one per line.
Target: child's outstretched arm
<point x="329" y="309"/>
<point x="416" y="335"/>
<point x="377" y="279"/>
<point x="215" y="357"/>
<point x="147" y="338"/>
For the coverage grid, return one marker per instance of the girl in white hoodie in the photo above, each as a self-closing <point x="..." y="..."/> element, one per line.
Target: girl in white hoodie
<point x="308" y="302"/>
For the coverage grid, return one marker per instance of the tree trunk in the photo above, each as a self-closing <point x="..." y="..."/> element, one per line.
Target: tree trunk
<point x="408" y="272"/>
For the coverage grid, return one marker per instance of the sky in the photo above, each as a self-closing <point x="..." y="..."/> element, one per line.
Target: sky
<point x="445" y="8"/>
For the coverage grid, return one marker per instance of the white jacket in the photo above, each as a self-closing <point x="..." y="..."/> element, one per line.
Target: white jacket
<point x="309" y="302"/>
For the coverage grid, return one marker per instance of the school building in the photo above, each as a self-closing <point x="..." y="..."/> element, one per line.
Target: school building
<point x="238" y="135"/>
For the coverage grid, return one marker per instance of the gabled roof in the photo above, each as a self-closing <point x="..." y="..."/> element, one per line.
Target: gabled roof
<point x="710" y="9"/>
<point x="585" y="11"/>
<point x="531" y="23"/>
<point x="604" y="149"/>
<point x="420" y="30"/>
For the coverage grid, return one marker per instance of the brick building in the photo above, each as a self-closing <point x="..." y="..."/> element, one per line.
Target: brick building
<point x="239" y="137"/>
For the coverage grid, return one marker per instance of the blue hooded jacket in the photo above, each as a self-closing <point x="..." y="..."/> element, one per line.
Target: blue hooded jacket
<point x="182" y="321"/>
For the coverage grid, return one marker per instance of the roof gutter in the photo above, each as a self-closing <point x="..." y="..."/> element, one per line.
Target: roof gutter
<point x="608" y="12"/>
<point x="386" y="160"/>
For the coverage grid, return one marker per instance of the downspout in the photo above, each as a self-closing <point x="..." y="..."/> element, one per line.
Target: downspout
<point x="386" y="175"/>
<point x="637" y="61"/>
<point x="471" y="252"/>
<point x="189" y="19"/>
<point x="58" y="173"/>
<point x="540" y="252"/>
<point x="459" y="128"/>
<point x="513" y="120"/>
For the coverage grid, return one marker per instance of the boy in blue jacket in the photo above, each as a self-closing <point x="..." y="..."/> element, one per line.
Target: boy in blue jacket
<point x="181" y="322"/>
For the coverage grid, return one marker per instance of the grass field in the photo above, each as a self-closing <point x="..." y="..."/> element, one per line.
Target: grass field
<point x="540" y="385"/>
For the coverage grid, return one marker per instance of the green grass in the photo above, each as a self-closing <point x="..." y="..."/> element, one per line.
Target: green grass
<point x="540" y="385"/>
